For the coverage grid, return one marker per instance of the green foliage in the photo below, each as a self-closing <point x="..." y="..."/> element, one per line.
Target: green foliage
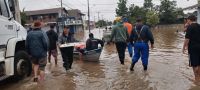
<point x="101" y="23"/>
<point x="23" y="18"/>
<point x="122" y="9"/>
<point x="167" y="12"/>
<point x="148" y="4"/>
<point x="136" y="11"/>
<point x="152" y="18"/>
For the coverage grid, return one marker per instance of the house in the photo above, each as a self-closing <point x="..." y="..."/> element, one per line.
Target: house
<point x="74" y="19"/>
<point x="195" y="7"/>
<point x="47" y="16"/>
<point x="58" y="16"/>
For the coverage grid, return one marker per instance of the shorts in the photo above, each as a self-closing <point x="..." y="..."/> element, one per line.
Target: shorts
<point x="41" y="62"/>
<point x="54" y="53"/>
<point x="194" y="59"/>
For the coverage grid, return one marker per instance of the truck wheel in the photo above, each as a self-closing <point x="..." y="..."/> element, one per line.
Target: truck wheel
<point x="22" y="65"/>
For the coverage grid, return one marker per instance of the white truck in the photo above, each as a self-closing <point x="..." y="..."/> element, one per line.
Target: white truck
<point x="14" y="60"/>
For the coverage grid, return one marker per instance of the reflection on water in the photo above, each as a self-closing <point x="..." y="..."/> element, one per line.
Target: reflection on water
<point x="168" y="69"/>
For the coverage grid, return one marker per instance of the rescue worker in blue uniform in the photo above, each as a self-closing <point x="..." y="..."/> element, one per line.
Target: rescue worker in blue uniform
<point x="140" y="36"/>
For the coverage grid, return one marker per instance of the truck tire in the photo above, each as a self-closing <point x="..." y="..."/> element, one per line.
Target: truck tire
<point x="22" y="65"/>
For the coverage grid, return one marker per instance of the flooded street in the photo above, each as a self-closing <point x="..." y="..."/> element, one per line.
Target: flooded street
<point x="168" y="69"/>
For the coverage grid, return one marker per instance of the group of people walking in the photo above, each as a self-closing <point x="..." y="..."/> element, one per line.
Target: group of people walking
<point x="39" y="43"/>
<point x="139" y="35"/>
<point x="124" y="34"/>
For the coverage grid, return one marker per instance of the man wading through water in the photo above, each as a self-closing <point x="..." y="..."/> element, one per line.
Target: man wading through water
<point x="53" y="38"/>
<point x="120" y="35"/>
<point x="37" y="46"/>
<point x="141" y="35"/>
<point x="129" y="29"/>
<point x="67" y="53"/>
<point x="192" y="44"/>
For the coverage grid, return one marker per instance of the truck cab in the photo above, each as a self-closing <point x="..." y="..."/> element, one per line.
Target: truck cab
<point x="14" y="60"/>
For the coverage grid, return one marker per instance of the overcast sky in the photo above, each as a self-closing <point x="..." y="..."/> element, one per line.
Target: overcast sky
<point x="105" y="7"/>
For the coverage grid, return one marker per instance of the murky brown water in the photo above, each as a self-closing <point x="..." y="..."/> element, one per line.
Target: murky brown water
<point x="168" y="69"/>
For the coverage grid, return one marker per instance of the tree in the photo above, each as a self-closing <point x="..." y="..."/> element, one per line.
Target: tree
<point x="101" y="23"/>
<point x="23" y="17"/>
<point x="136" y="11"/>
<point x="148" y="4"/>
<point x="167" y="12"/>
<point x="122" y="10"/>
<point x="152" y="18"/>
<point x="179" y="15"/>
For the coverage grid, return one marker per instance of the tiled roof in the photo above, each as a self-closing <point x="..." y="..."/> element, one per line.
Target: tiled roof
<point x="44" y="11"/>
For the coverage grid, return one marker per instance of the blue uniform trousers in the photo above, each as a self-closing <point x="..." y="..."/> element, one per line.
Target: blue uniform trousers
<point x="130" y="49"/>
<point x="141" y="49"/>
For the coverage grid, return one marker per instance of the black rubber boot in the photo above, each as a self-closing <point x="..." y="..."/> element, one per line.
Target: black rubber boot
<point x="35" y="79"/>
<point x="122" y="62"/>
<point x="130" y="54"/>
<point x="145" y="67"/>
<point x="66" y="66"/>
<point x="70" y="66"/>
<point x="132" y="66"/>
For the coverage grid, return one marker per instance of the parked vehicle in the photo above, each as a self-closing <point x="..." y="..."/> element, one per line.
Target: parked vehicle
<point x="14" y="60"/>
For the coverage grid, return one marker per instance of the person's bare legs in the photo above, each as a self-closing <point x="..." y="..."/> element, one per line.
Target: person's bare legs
<point x="196" y="73"/>
<point x="49" y="58"/>
<point x="42" y="64"/>
<point x="56" y="60"/>
<point x="35" y="68"/>
<point x="42" y="75"/>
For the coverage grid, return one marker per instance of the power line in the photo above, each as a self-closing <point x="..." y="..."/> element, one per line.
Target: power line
<point x="70" y="4"/>
<point x="82" y="3"/>
<point x="101" y="12"/>
<point x="103" y="4"/>
<point x="65" y="4"/>
<point x="88" y="15"/>
<point x="46" y="2"/>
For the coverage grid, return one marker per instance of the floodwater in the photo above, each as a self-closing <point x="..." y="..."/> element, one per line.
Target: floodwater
<point x="168" y="69"/>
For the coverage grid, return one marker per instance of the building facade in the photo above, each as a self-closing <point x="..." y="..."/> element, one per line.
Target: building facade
<point x="58" y="16"/>
<point x="46" y="16"/>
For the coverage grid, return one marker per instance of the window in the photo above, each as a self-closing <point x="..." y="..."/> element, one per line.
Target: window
<point x="49" y="16"/>
<point x="35" y="17"/>
<point x="4" y="9"/>
<point x="12" y="7"/>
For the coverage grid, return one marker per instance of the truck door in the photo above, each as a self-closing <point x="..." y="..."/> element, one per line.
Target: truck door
<point x="7" y="26"/>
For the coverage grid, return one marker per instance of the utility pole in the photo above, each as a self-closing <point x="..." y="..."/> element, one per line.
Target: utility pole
<point x="62" y="20"/>
<point x="102" y="21"/>
<point x="88" y="15"/>
<point x="17" y="11"/>
<point x="98" y="15"/>
<point x="198" y="12"/>
<point x="98" y="18"/>
<point x="61" y="5"/>
<point x="94" y="18"/>
<point x="99" y="23"/>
